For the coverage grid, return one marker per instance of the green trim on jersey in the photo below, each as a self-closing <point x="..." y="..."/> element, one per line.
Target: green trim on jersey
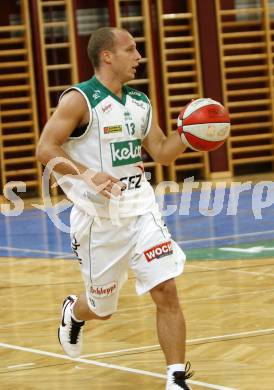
<point x="148" y="121"/>
<point x="135" y="94"/>
<point x="100" y="142"/>
<point x="96" y="92"/>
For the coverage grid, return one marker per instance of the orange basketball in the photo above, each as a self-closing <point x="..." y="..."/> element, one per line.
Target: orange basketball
<point x="204" y="124"/>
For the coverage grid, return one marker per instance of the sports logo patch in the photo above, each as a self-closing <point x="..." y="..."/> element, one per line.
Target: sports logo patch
<point x="137" y="93"/>
<point x="107" y="108"/>
<point x="92" y="302"/>
<point x="103" y="291"/>
<point x="159" y="251"/>
<point x="74" y="246"/>
<point x="139" y="104"/>
<point x="96" y="94"/>
<point x="127" y="116"/>
<point x="113" y="129"/>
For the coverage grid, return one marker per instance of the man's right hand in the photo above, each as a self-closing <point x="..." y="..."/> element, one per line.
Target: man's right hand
<point x="103" y="183"/>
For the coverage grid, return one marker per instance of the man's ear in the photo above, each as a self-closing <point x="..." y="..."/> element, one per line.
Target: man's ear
<point x="106" y="56"/>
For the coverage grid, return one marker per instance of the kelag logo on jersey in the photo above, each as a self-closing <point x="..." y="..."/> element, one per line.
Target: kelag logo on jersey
<point x="125" y="152"/>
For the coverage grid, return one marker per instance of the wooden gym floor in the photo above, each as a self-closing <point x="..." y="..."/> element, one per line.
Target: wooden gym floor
<point x="226" y="291"/>
<point x="230" y="335"/>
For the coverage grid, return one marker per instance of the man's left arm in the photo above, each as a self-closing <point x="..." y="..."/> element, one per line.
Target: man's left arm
<point x="163" y="149"/>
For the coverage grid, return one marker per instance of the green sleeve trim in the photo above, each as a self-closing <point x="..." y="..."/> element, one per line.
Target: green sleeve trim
<point x="148" y="124"/>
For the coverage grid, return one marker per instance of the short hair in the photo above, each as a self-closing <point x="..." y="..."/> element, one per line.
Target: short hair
<point x="101" y="39"/>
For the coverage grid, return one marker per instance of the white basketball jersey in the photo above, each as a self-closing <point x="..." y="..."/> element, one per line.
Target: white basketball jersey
<point x="111" y="143"/>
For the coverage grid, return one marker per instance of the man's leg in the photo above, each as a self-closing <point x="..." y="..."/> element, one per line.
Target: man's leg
<point x="82" y="312"/>
<point x="171" y="333"/>
<point x="170" y="322"/>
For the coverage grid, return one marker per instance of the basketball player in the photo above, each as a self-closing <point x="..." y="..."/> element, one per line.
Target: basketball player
<point x="97" y="132"/>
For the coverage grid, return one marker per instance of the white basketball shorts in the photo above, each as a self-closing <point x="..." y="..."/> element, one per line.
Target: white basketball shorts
<point x="105" y="253"/>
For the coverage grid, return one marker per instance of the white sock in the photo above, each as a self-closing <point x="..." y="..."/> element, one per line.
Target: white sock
<point x="175" y="367"/>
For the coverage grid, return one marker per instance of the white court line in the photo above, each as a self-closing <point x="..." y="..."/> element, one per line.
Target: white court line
<point x="21" y="365"/>
<point x="11" y="248"/>
<point x="2" y="326"/>
<point x="188" y="342"/>
<point x="225" y="237"/>
<point x="155" y="346"/>
<point x="233" y="335"/>
<point x="252" y="273"/>
<point x="225" y="296"/>
<point x="107" y="365"/>
<point x="232" y="270"/>
<point x="66" y="255"/>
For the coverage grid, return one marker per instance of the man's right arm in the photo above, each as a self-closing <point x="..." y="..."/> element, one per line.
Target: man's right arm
<point x="70" y="113"/>
<point x="66" y="118"/>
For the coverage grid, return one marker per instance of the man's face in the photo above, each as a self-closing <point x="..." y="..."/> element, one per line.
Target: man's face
<point x="125" y="57"/>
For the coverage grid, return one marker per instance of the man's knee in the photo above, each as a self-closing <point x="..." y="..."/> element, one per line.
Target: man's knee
<point x="165" y="295"/>
<point x="166" y="288"/>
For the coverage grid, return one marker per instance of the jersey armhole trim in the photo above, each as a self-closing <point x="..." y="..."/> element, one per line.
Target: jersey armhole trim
<point x="89" y="108"/>
<point x="148" y="124"/>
